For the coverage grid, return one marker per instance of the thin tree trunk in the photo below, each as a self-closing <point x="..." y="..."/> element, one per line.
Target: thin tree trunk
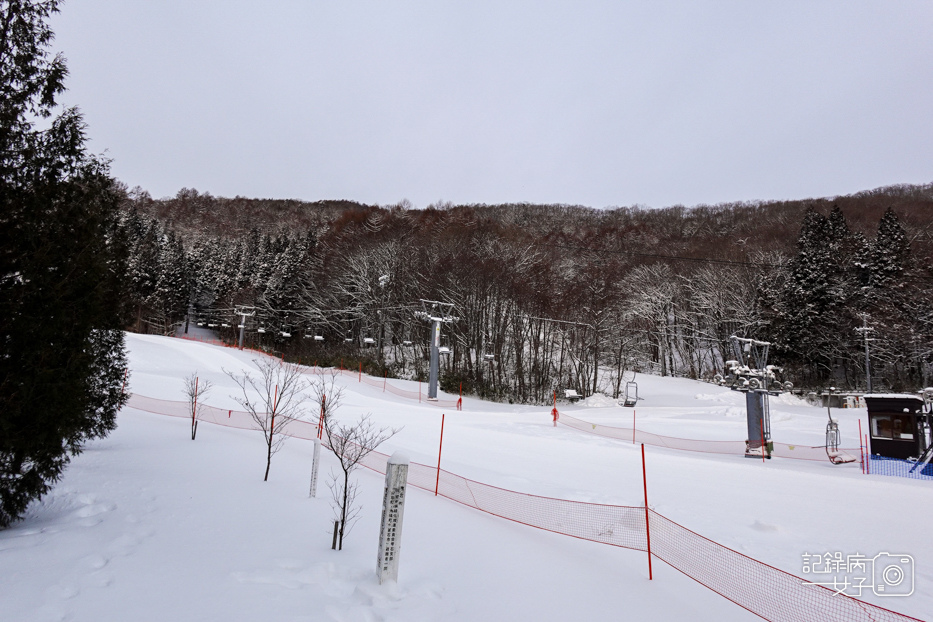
<point x="343" y="508"/>
<point x="268" y="456"/>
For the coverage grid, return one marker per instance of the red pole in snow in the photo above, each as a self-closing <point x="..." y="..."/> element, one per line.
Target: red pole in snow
<point x="644" y="479"/>
<point x="437" y="483"/>
<point x="861" y="448"/>
<point x="460" y="399"/>
<point x="320" y="421"/>
<point x="229" y="413"/>
<point x="554" y="413"/>
<point x="275" y="403"/>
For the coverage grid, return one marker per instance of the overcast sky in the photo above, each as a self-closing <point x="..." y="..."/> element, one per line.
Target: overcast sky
<point x="592" y="103"/>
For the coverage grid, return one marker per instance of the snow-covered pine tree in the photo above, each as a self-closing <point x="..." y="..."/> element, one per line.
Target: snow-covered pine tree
<point x="809" y="301"/>
<point x="891" y="304"/>
<point x="144" y="239"/>
<point x="173" y="282"/>
<point x="889" y="254"/>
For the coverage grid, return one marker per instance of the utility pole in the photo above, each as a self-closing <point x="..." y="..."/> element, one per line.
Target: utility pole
<point x="865" y="330"/>
<point x="244" y="312"/>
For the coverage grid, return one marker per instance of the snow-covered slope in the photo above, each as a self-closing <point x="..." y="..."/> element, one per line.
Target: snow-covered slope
<point x="148" y="525"/>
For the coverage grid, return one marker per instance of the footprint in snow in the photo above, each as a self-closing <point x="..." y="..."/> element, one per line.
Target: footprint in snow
<point x="759" y="526"/>
<point x="95" y="562"/>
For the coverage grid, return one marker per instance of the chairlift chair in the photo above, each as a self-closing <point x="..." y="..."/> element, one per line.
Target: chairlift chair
<point x="444" y="348"/>
<point x="572" y="395"/>
<point x="369" y="341"/>
<point x="631" y="394"/>
<point x="261" y="330"/>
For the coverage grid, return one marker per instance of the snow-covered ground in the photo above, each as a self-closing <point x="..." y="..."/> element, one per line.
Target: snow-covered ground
<point x="148" y="525"/>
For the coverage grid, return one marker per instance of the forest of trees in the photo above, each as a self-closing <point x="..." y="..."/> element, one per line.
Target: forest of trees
<point x="550" y="296"/>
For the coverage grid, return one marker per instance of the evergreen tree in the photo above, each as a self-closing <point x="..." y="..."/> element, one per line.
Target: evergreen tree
<point x="62" y="262"/>
<point x="173" y="289"/>
<point x="891" y="304"/>
<point x="889" y="253"/>
<point x="143" y="236"/>
<point x="811" y="298"/>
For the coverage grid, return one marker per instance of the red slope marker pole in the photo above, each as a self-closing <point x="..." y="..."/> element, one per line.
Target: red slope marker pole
<point x="437" y="482"/>
<point x="554" y="412"/>
<point x="762" y="444"/>
<point x="644" y="479"/>
<point x="320" y="421"/>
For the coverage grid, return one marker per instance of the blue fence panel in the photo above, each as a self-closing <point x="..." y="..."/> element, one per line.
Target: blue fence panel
<point x="900" y="468"/>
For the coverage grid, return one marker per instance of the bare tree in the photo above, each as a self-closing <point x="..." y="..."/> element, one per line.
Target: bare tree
<point x="196" y="390"/>
<point x="326" y="393"/>
<point x="350" y="444"/>
<point x="272" y="400"/>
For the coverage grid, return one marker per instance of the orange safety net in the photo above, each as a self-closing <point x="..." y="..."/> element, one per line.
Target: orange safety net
<point x="761" y="589"/>
<point x="731" y="448"/>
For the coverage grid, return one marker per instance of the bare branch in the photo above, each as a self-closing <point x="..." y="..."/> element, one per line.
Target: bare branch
<point x="350" y="443"/>
<point x="273" y="399"/>
<point x="195" y="391"/>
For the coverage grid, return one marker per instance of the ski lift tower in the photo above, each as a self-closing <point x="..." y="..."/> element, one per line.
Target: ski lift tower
<point x="437" y="313"/>
<point x="243" y="312"/>
<point x="751" y="374"/>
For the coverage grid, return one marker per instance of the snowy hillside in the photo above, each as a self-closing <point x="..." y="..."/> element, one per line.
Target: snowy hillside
<point x="149" y="525"/>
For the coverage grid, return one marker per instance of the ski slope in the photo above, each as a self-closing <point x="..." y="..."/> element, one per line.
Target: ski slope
<point x="148" y="525"/>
